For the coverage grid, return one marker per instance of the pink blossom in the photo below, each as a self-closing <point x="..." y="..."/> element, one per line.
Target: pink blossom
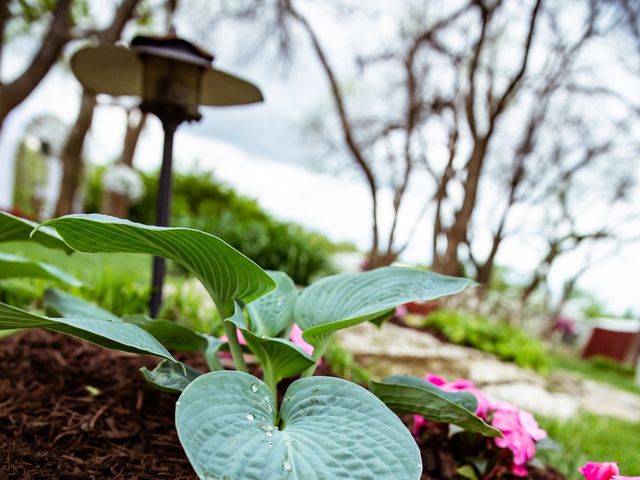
<point x="296" y="337"/>
<point x="519" y="431"/>
<point x="419" y="422"/>
<point x="603" y="471"/>
<point x="463" y="385"/>
<point x="599" y="471"/>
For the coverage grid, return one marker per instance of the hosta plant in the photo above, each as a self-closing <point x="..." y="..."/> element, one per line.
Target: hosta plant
<point x="234" y="425"/>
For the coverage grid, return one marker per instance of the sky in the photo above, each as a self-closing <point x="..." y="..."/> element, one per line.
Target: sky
<point x="264" y="152"/>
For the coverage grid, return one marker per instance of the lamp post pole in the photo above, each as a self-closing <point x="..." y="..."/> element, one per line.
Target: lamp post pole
<point x="163" y="211"/>
<point x="171" y="117"/>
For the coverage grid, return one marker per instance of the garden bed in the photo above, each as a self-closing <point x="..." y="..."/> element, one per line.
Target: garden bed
<point x="71" y="410"/>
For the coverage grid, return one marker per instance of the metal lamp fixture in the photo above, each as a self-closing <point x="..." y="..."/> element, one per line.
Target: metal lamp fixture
<point x="172" y="77"/>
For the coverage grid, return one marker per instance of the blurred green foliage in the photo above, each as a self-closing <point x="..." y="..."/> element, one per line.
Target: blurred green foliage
<point x="26" y="15"/>
<point x="342" y="364"/>
<point x="117" y="282"/>
<point x="505" y="341"/>
<point x="203" y="203"/>
<point x="600" y="369"/>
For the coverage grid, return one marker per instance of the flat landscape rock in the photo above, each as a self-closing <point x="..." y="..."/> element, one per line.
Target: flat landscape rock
<point x="396" y="350"/>
<point x="535" y="398"/>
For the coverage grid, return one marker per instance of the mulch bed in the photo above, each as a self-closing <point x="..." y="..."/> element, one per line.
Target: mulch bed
<point x="53" y="425"/>
<point x="71" y="410"/>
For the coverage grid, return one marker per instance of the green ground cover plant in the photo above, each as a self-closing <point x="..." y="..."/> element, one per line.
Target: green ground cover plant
<point x="505" y="341"/>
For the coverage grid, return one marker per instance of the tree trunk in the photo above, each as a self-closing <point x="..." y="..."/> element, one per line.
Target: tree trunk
<point x="132" y="135"/>
<point x="449" y="262"/>
<point x="72" y="156"/>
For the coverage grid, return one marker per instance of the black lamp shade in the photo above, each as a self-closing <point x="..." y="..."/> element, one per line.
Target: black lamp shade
<point x="155" y="74"/>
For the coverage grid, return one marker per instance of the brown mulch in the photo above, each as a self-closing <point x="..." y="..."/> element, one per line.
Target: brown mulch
<point x="54" y="425"/>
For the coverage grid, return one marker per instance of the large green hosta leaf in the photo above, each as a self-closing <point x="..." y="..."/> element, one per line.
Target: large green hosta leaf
<point x="114" y="334"/>
<point x="12" y="266"/>
<point x="330" y="429"/>
<point x="404" y="394"/>
<point x="273" y="313"/>
<point x="226" y="273"/>
<point x="347" y="299"/>
<point x="14" y="228"/>
<point x="170" y="334"/>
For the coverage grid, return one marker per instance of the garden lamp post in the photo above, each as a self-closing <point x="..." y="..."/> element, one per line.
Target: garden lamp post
<point x="172" y="77"/>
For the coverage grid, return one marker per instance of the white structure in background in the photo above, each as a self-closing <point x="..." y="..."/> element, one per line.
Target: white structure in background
<point x="124" y="181"/>
<point x="49" y="132"/>
<point x="43" y="135"/>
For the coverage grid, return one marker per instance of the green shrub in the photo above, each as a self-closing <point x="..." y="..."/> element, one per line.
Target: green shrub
<point x="203" y="203"/>
<point x="505" y="341"/>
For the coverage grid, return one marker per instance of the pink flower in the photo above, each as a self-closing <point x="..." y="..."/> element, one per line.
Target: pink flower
<point x="519" y="431"/>
<point x="603" y="471"/>
<point x="519" y="428"/>
<point x="419" y="422"/>
<point x="296" y="337"/>
<point x="463" y="385"/>
<point x="599" y="471"/>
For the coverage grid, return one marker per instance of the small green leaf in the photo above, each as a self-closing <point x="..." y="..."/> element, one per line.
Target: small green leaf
<point x="279" y="357"/>
<point x="272" y="313"/>
<point x="467" y="471"/>
<point x="15" y="266"/>
<point x="214" y="345"/>
<point x="404" y="394"/>
<point x="226" y="273"/>
<point x="68" y="305"/>
<point x="347" y="299"/>
<point x="330" y="429"/>
<point x="113" y="334"/>
<point x="170" y="376"/>
<point x="14" y="229"/>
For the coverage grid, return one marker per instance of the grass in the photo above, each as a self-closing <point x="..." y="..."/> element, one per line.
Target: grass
<point x="597" y="369"/>
<point x="118" y="282"/>
<point x="87" y="267"/>
<point x="590" y="437"/>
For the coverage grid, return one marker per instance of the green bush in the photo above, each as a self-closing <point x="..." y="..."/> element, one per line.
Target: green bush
<point x="505" y="341"/>
<point x="203" y="203"/>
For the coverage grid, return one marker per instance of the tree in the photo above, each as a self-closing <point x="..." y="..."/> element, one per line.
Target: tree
<point x="58" y="33"/>
<point x="472" y="94"/>
<point x="71" y="155"/>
